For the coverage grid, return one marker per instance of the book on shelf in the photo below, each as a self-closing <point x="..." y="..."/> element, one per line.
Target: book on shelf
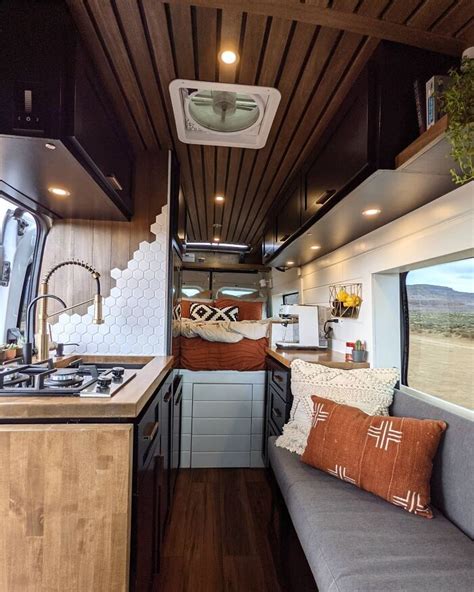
<point x="420" y="106"/>
<point x="435" y="87"/>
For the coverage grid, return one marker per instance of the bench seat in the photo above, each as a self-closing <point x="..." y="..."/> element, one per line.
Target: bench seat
<point x="355" y="541"/>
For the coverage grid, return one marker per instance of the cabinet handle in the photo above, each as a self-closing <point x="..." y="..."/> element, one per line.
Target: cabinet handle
<point x="323" y="198"/>
<point x="276" y="413"/>
<point x="167" y="397"/>
<point x="151" y="431"/>
<point x="112" y="179"/>
<point x="277" y="378"/>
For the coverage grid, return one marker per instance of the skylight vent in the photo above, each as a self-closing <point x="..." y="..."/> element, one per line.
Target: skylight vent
<point x="221" y="114"/>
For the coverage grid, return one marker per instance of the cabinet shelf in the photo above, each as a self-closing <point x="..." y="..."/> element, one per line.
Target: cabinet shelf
<point x="427" y="140"/>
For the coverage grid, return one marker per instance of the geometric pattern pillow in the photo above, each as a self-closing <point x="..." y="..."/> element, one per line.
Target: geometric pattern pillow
<point x="204" y="312"/>
<point x="368" y="389"/>
<point x="177" y="312"/>
<point x="391" y="457"/>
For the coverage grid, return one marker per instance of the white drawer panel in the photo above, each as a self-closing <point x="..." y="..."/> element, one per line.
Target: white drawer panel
<point x="222" y="392"/>
<point x="220" y="459"/>
<point x="187" y="408"/>
<point x="186" y="425"/>
<point x="258" y="408"/>
<point x="222" y="409"/>
<point x="221" y="426"/>
<point x="257" y="442"/>
<point x="221" y="443"/>
<point x="257" y="425"/>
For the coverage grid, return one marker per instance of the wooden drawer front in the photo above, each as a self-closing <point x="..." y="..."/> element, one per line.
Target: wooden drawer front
<point x="228" y="409"/>
<point x="279" y="379"/>
<point x="278" y="409"/>
<point x="222" y="392"/>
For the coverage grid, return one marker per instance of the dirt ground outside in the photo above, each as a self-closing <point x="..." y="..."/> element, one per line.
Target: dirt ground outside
<point x="442" y="366"/>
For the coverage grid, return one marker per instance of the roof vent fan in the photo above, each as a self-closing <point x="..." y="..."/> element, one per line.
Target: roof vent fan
<point x="221" y="114"/>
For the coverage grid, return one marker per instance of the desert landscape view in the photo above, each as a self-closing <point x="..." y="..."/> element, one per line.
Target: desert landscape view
<point x="442" y="342"/>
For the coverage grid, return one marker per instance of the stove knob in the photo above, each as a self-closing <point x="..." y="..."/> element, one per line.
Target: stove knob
<point x="103" y="382"/>
<point x="118" y="371"/>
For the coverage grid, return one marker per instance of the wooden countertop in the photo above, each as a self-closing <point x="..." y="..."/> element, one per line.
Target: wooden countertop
<point x="128" y="402"/>
<point x="324" y="357"/>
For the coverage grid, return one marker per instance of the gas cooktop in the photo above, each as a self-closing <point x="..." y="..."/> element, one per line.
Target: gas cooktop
<point x="77" y="380"/>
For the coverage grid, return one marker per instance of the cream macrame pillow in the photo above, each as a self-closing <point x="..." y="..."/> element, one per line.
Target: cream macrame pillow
<point x="370" y="390"/>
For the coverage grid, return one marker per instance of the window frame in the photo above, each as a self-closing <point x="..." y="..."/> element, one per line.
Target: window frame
<point x="283" y="296"/>
<point x="43" y="226"/>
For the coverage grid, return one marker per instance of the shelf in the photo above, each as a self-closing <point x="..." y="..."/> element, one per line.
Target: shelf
<point x="424" y="142"/>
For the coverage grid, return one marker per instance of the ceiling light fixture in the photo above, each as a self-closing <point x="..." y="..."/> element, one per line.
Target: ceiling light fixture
<point x="59" y="191"/>
<point x="290" y="262"/>
<point x="371" y="212"/>
<point x="50" y="146"/>
<point x="315" y="247"/>
<point x="219" y="198"/>
<point x="217" y="239"/>
<point x="228" y="57"/>
<point x="223" y="246"/>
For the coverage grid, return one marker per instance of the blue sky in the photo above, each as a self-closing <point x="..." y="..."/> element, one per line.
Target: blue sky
<point x="458" y="275"/>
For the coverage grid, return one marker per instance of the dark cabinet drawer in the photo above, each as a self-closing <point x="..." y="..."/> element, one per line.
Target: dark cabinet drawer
<point x="148" y="431"/>
<point x="279" y="379"/>
<point x="278" y="410"/>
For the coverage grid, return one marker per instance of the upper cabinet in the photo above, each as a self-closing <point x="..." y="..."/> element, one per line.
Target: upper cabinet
<point x="57" y="125"/>
<point x="375" y="122"/>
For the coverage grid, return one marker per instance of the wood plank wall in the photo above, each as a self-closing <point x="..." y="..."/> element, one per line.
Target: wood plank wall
<point x="104" y="244"/>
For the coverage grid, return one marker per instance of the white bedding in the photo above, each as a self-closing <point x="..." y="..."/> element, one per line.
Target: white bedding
<point x="225" y="331"/>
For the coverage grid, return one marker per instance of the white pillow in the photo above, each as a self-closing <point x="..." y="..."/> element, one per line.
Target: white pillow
<point x="368" y="389"/>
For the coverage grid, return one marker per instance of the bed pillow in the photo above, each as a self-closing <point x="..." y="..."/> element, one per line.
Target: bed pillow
<point x="186" y="305"/>
<point x="199" y="311"/>
<point x="368" y="389"/>
<point x="391" y="457"/>
<point x="249" y="310"/>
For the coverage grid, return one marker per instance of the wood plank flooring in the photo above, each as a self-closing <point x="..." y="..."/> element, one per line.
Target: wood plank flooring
<point x="217" y="535"/>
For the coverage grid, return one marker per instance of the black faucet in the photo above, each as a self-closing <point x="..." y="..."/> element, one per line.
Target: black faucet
<point x="28" y="347"/>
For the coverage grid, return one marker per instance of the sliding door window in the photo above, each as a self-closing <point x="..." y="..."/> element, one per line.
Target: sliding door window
<point x="438" y="336"/>
<point x="19" y="234"/>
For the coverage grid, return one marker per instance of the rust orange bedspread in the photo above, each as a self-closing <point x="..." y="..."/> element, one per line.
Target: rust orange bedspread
<point x="199" y="354"/>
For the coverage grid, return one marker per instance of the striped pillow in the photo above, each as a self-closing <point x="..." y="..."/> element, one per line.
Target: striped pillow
<point x="204" y="312"/>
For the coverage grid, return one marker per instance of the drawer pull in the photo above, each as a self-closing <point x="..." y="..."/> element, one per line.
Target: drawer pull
<point x="112" y="179"/>
<point x="276" y="413"/>
<point x="151" y="431"/>
<point x="278" y="378"/>
<point x="167" y="397"/>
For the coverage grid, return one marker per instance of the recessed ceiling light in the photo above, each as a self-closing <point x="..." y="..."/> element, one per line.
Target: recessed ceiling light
<point x="59" y="191"/>
<point x="371" y="212"/>
<point x="315" y="247"/>
<point x="50" y="146"/>
<point x="227" y="56"/>
<point x="290" y="262"/>
<point x="217" y="239"/>
<point x="219" y="198"/>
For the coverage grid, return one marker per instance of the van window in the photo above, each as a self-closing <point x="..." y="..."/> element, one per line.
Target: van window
<point x="235" y="292"/>
<point x="291" y="298"/>
<point x="18" y="242"/>
<point x="439" y="331"/>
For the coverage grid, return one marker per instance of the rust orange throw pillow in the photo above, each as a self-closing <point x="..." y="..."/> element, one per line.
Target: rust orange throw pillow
<point x="249" y="310"/>
<point x="389" y="456"/>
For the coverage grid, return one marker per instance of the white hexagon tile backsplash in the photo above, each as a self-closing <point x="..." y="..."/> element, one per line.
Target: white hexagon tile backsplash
<point x="135" y="310"/>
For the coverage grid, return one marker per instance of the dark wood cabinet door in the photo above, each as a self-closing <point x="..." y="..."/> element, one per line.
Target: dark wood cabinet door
<point x="269" y="240"/>
<point x="176" y="422"/>
<point x="289" y="217"/>
<point x="165" y="451"/>
<point x="146" y="541"/>
<point x="344" y="155"/>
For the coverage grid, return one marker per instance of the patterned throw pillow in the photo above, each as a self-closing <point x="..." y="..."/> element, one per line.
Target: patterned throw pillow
<point x="368" y="389"/>
<point x="204" y="312"/>
<point x="391" y="457"/>
<point x="177" y="312"/>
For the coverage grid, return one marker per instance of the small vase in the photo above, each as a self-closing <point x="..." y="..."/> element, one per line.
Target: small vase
<point x="358" y="355"/>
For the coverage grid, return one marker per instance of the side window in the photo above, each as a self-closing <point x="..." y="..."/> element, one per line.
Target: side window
<point x="19" y="232"/>
<point x="291" y="298"/>
<point x="438" y="321"/>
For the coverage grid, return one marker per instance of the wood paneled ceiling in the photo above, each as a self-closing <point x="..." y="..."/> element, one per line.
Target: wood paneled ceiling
<point x="311" y="51"/>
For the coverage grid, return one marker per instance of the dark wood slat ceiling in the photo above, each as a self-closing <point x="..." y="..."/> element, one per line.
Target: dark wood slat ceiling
<point x="311" y="51"/>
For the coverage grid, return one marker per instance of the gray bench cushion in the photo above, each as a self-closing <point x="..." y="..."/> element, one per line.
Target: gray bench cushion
<point x="452" y="483"/>
<point x="355" y="541"/>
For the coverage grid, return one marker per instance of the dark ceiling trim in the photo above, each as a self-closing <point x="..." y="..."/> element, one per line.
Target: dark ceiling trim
<point x="336" y="19"/>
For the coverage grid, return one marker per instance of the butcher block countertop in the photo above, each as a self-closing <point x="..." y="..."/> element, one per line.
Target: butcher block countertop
<point x="325" y="357"/>
<point x="127" y="403"/>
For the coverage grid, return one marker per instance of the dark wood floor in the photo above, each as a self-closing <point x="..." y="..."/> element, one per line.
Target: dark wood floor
<point x="217" y="535"/>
